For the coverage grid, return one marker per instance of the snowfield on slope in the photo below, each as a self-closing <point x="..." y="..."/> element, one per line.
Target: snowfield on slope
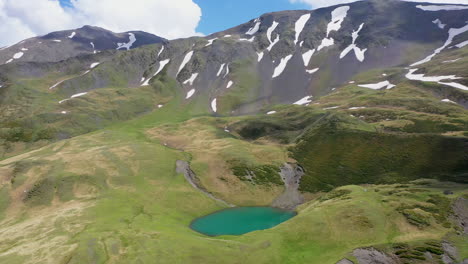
<point x="190" y="94"/>
<point x="377" y="86"/>
<point x="357" y="51"/>
<point x="304" y="101"/>
<point x="162" y="64"/>
<point x="441" y="7"/>
<point x="307" y="56"/>
<point x="129" y="44"/>
<point x="210" y="42"/>
<point x="281" y="66"/>
<point x="338" y="16"/>
<point x="439" y="23"/>
<point x="255" y="28"/>
<point x="300" y="24"/>
<point x="438" y="79"/>
<point x="186" y="59"/>
<point x="453" y="32"/>
<point x="220" y="69"/>
<point x="214" y="105"/>
<point x="191" y="79"/>
<point x="269" y="32"/>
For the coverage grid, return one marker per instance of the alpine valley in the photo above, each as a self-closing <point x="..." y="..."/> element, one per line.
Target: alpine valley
<point x="354" y="116"/>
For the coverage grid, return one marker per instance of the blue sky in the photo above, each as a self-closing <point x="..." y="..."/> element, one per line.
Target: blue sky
<point x="218" y="15"/>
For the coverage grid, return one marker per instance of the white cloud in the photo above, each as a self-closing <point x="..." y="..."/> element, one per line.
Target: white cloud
<point x="325" y="3"/>
<point x="20" y="19"/>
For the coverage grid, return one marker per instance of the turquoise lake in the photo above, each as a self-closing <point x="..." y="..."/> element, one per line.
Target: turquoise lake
<point x="240" y="220"/>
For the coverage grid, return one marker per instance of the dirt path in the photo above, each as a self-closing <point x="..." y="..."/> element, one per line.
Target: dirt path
<point x="184" y="168"/>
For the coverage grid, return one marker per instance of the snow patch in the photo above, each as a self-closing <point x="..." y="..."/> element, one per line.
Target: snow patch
<point x="271" y="112"/>
<point x="214" y="105"/>
<point x="94" y="49"/>
<point x="249" y="40"/>
<point x="78" y="95"/>
<point x="255" y="28"/>
<point x="227" y="71"/>
<point x="438" y="79"/>
<point x="8" y="61"/>
<point x="305" y="100"/>
<point x="57" y="40"/>
<point x="269" y="32"/>
<point x="300" y="23"/>
<point x="329" y="108"/>
<point x="160" y="106"/>
<point x="377" y="86"/>
<point x="92" y="66"/>
<point x="230" y="83"/>
<point x="186" y="59"/>
<point x="191" y="79"/>
<point x="220" y="69"/>
<point x="18" y="55"/>
<point x="281" y="66"/>
<point x="326" y="42"/>
<point x="190" y="94"/>
<point x="55" y="85"/>
<point x="450" y="61"/>
<point x="438" y="22"/>
<point x="356" y="108"/>
<point x="441" y="7"/>
<point x="24" y="49"/>
<point x="357" y="51"/>
<point x="74" y="96"/>
<point x="307" y="56"/>
<point x="338" y="16"/>
<point x="461" y="45"/>
<point x="448" y="101"/>
<point x="453" y="32"/>
<point x="210" y="41"/>
<point x="161" y="51"/>
<point x="162" y="64"/>
<point x="129" y="44"/>
<point x="312" y="71"/>
<point x="260" y="56"/>
<point x="227" y="36"/>
<point x="72" y="35"/>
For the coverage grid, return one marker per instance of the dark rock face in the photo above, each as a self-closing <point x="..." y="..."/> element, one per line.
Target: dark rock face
<point x="269" y="60"/>
<point x="61" y="45"/>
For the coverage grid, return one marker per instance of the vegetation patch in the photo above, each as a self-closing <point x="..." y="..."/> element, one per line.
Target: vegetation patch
<point x="262" y="174"/>
<point x="337" y="193"/>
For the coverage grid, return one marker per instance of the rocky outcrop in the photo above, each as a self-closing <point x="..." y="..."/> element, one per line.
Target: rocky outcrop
<point x="345" y="261"/>
<point x="460" y="211"/>
<point x="450" y="253"/>
<point x="183" y="167"/>
<point x="291" y="197"/>
<point x="373" y="256"/>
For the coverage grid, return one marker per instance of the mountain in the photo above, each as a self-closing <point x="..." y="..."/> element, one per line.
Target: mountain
<point x="355" y="116"/>
<point x="61" y="45"/>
